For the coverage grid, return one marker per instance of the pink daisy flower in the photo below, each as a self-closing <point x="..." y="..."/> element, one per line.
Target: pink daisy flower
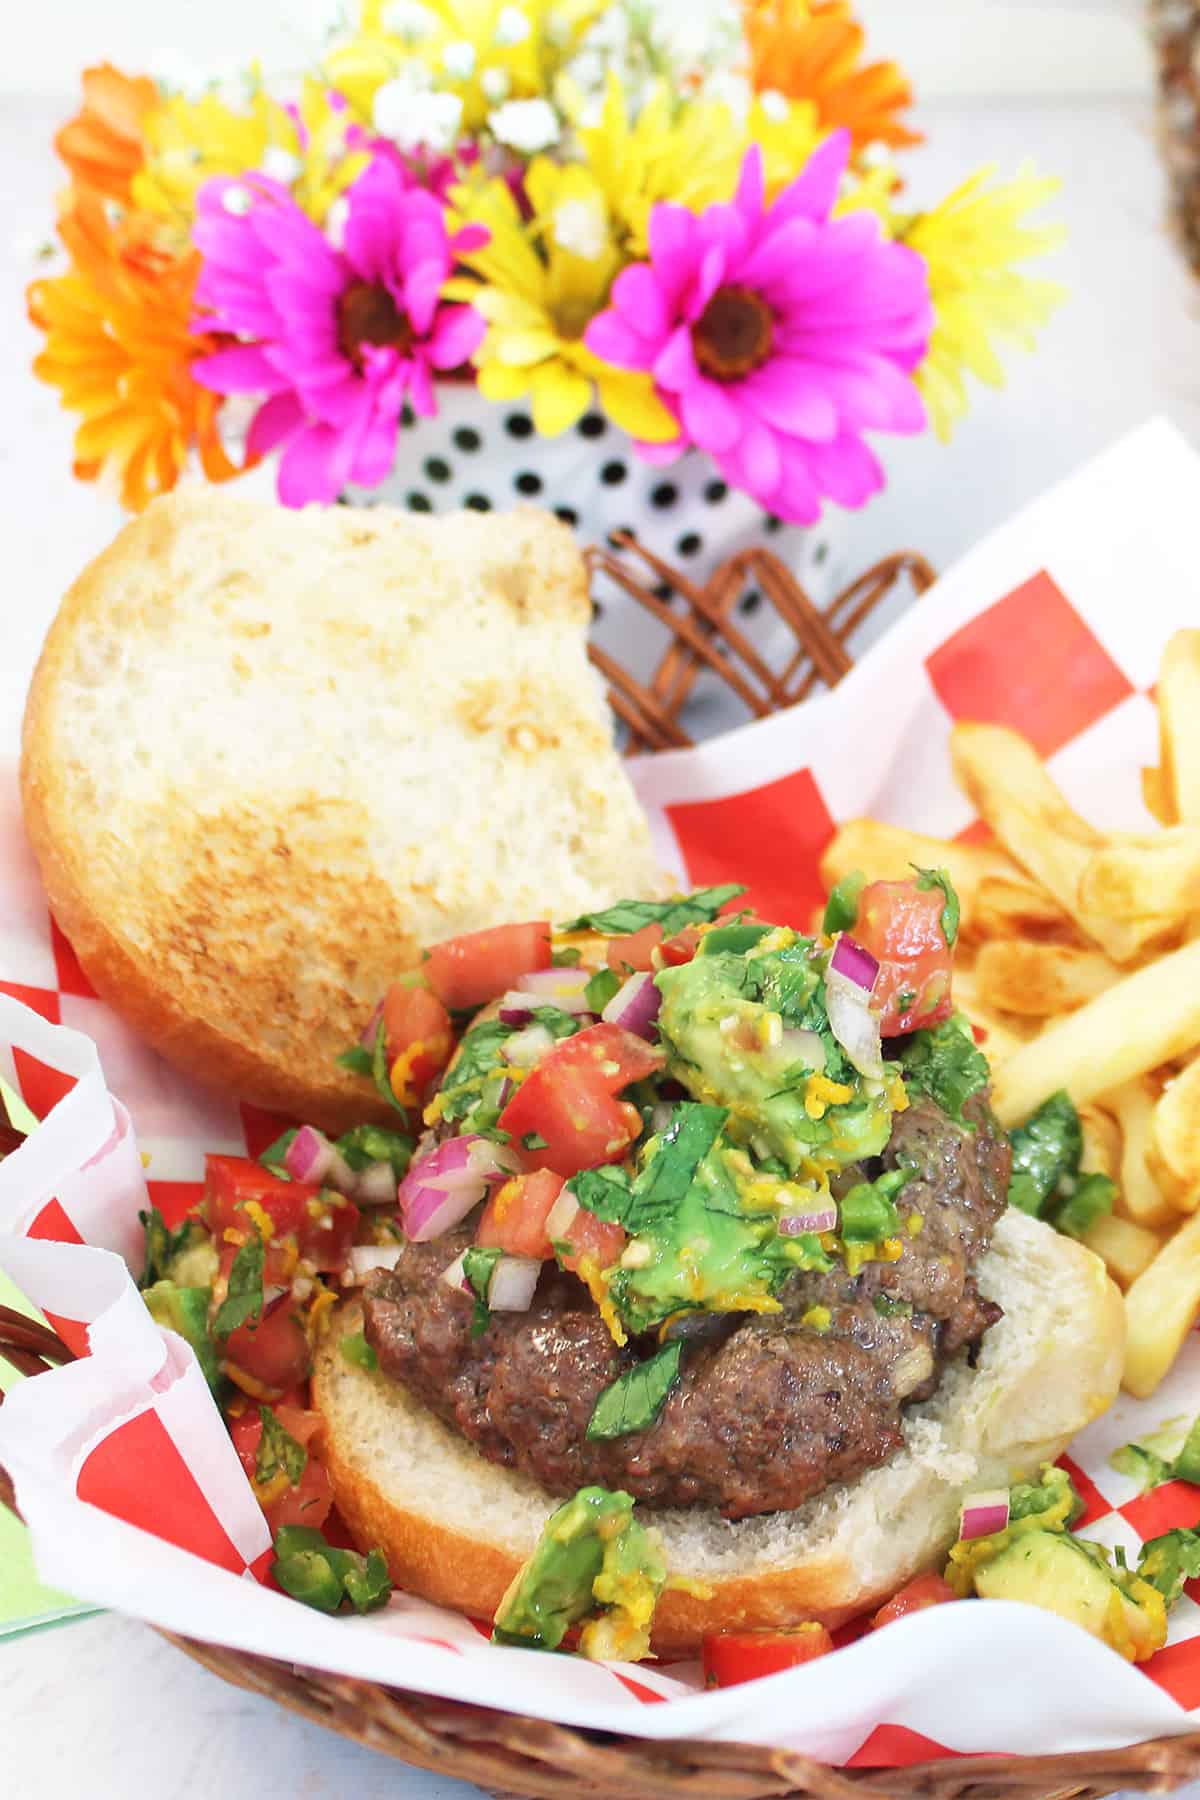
<point x="337" y="340"/>
<point x="776" y="335"/>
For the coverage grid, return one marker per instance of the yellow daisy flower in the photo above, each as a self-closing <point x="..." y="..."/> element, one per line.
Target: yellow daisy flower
<point x="540" y="283"/>
<point x="690" y="155"/>
<point x="188" y="141"/>
<point x="483" y="51"/>
<point x="969" y="244"/>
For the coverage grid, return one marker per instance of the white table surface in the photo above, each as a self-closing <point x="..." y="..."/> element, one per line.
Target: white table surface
<point x="102" y="1707"/>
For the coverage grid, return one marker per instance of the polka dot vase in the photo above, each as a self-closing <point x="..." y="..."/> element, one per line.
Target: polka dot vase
<point x="489" y="457"/>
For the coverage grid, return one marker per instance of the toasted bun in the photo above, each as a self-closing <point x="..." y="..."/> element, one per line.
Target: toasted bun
<point x="270" y="755"/>
<point x="456" y="1528"/>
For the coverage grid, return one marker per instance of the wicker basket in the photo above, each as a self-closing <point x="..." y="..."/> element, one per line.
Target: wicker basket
<point x="507" y="1754"/>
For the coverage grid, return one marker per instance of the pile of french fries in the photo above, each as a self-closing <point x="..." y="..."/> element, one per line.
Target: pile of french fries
<point x="1079" y="959"/>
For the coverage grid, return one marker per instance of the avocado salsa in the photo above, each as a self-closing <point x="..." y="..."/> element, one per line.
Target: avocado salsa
<point x="755" y="1189"/>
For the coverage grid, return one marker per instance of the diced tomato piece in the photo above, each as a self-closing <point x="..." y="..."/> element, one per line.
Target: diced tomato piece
<point x="272" y="1350"/>
<point x="568" y="1099"/>
<point x="321" y="1223"/>
<point x="635" y="952"/>
<point x="310" y="1501"/>
<point x="901" y="925"/>
<point x="595" y="1238"/>
<point x="682" y="947"/>
<point x="473" y="969"/>
<point x="420" y="1040"/>
<point x="915" y="1596"/>
<point x="730" y="1657"/>
<point x="514" y="1219"/>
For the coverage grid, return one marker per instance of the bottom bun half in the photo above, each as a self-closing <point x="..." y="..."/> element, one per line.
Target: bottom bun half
<point x="455" y="1528"/>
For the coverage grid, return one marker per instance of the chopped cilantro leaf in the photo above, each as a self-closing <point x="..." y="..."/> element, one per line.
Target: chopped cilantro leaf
<point x="533" y="1140"/>
<point x="570" y="958"/>
<point x="357" y="1060"/>
<point x="273" y="1156"/>
<point x="841" y="909"/>
<point x="1045" y="1151"/>
<point x="1091" y="1198"/>
<point x="368" y="1144"/>
<point x="660" y="1187"/>
<point x="244" y="1296"/>
<point x="163" y="1245"/>
<point x="478" y="1266"/>
<point x="602" y="987"/>
<point x="628" y="916"/>
<point x="278" y="1449"/>
<point x="938" y="878"/>
<point x="945" y="1063"/>
<point x="1168" y="1561"/>
<point x="634" y="1400"/>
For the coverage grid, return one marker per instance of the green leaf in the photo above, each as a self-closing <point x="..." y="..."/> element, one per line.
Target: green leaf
<point x="163" y="1245"/>
<point x="533" y="1140"/>
<point x="273" y="1157"/>
<point x="368" y="1144"/>
<point x="604" y="984"/>
<point x="939" y="878"/>
<point x="244" y="1297"/>
<point x="381" y="1075"/>
<point x="1170" y="1560"/>
<point x="945" y="1063"/>
<point x="841" y="908"/>
<point x="567" y="959"/>
<point x="628" y="916"/>
<point x="634" y="1400"/>
<point x="1045" y="1151"/>
<point x="278" y="1449"/>
<point x="1093" y="1196"/>
<point x="732" y="940"/>
<point x="357" y="1352"/>
<point x="660" y="1187"/>
<point x="478" y="1266"/>
<point x="357" y="1060"/>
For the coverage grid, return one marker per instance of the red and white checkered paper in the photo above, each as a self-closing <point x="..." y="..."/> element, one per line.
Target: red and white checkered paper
<point x="1054" y="625"/>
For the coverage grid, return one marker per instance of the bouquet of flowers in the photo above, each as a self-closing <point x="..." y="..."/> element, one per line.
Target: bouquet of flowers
<point x="600" y="211"/>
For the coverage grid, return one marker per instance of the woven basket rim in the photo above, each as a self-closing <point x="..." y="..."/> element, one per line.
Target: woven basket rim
<point x="509" y="1753"/>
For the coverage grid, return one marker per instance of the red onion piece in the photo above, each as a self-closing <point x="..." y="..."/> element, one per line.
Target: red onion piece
<point x="371" y="1029"/>
<point x="983" y="1513"/>
<point x="516" y="1015"/>
<point x="309" y="1155"/>
<point x="364" y="1258"/>
<point x="853" y="1024"/>
<point x="856" y="964"/>
<point x="561" y="1216"/>
<point x="439" y="1190"/>
<point x="557" y="987"/>
<point x="817" y="1218"/>
<point x="513" y="1280"/>
<point x="634" y="1007"/>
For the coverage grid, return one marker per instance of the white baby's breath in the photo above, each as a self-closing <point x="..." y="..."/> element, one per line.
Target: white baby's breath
<point x="525" y="125"/>
<point x="280" y="164"/>
<point x="458" y="59"/>
<point x="336" y="220"/>
<point x="774" y="104"/>
<point x="581" y="227"/>
<point x="512" y="27"/>
<point x="237" y="200"/>
<point x="415" y="119"/>
<point x="495" y="84"/>
<point x="409" y="20"/>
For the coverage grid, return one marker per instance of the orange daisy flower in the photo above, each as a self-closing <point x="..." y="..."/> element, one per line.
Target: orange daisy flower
<point x="102" y="145"/>
<point x="119" y="349"/>
<point x="811" y="50"/>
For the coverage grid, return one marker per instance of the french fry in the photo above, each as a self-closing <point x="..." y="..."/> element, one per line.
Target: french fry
<point x="1006" y="781"/>
<point x="1147" y="1018"/>
<point x="1101" y="1143"/>
<point x="1125" y="1248"/>
<point x="1173" y="1150"/>
<point x="1014" y="906"/>
<point x="888" y="853"/>
<point x="1179" y="727"/>
<point x="1141" y="1199"/>
<point x="1040" y="980"/>
<point x="1147" y="877"/>
<point x="1155" y="798"/>
<point x="1161" y="1308"/>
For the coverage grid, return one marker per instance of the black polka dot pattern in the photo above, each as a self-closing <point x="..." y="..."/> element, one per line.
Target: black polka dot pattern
<point x="437" y="468"/>
<point x="614" y="473"/>
<point x="664" y="495"/>
<point x="750" y="603"/>
<point x="467" y="439"/>
<point x="715" y="492"/>
<point x="689" y="544"/>
<point x="519" y="425"/>
<point x="593" y="425"/>
<point x="478" y="503"/>
<point x="417" y="502"/>
<point x="567" y="514"/>
<point x="528" y="483"/>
